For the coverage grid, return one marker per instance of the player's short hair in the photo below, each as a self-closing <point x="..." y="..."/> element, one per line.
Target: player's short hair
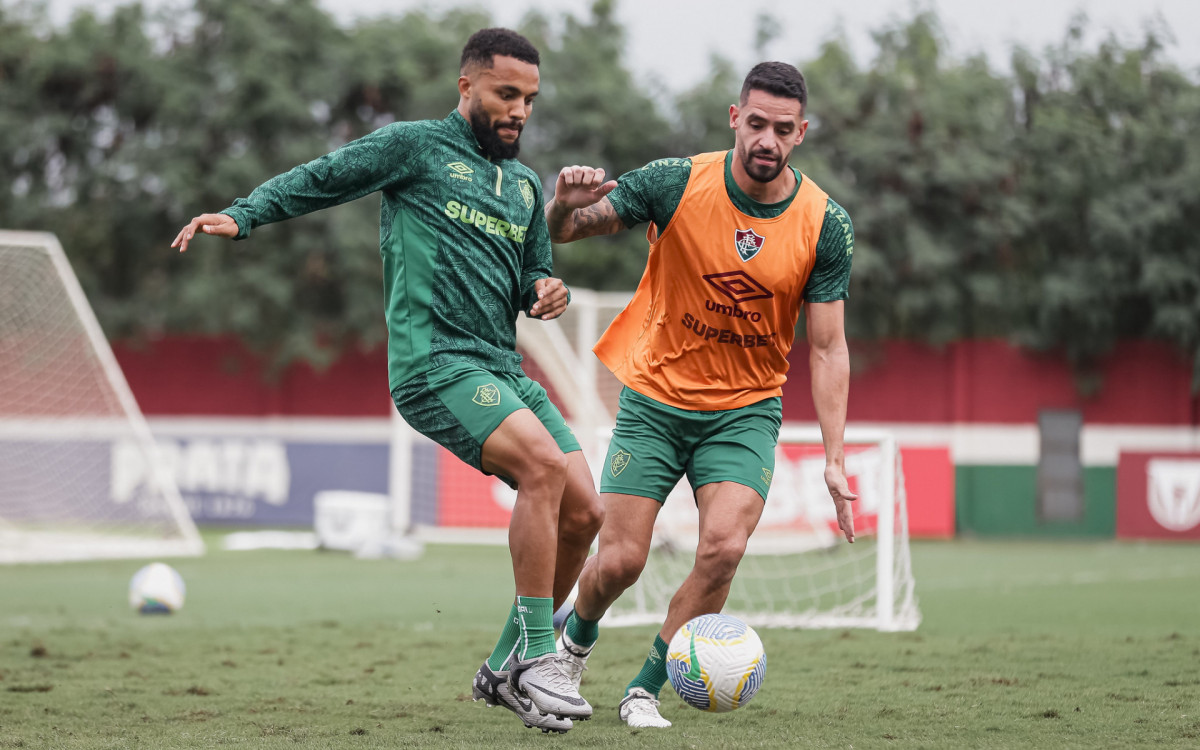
<point x="485" y="44"/>
<point x="777" y="79"/>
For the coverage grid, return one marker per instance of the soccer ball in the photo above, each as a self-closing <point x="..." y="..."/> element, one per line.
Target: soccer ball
<point x="156" y="589"/>
<point x="716" y="663"/>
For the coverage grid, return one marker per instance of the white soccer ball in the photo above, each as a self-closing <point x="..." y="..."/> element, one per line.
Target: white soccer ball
<point x="157" y="589"/>
<point x="716" y="663"/>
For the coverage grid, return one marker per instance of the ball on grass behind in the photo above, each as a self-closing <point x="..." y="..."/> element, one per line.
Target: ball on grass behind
<point x="157" y="589"/>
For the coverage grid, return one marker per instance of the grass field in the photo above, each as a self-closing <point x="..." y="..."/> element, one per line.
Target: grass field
<point x="1023" y="645"/>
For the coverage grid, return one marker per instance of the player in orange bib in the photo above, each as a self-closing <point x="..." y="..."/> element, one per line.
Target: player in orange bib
<point x="739" y="242"/>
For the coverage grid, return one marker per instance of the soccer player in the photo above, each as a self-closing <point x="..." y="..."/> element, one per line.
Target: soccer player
<point x="465" y="248"/>
<point x="739" y="241"/>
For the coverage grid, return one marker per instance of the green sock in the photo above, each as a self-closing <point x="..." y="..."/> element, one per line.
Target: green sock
<point x="654" y="671"/>
<point x="582" y="632"/>
<point x="536" y="615"/>
<point x="508" y="641"/>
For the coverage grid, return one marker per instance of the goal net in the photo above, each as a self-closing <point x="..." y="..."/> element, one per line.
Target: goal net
<point x="67" y="419"/>
<point x="798" y="572"/>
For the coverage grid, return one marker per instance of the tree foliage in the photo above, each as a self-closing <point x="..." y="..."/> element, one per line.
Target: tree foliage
<point x="1056" y="203"/>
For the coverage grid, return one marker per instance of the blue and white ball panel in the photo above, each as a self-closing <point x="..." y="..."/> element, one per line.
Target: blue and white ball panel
<point x="752" y="681"/>
<point x="721" y="629"/>
<point x="695" y="692"/>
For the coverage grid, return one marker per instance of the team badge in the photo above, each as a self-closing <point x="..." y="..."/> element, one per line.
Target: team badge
<point x="487" y="395"/>
<point x="526" y="192"/>
<point x="1173" y="493"/>
<point x="748" y="243"/>
<point x="619" y="461"/>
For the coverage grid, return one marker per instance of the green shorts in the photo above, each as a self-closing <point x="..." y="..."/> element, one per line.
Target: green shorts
<point x="653" y="445"/>
<point x="459" y="405"/>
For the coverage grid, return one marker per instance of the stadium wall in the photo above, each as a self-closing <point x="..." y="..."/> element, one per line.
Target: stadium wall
<point x="966" y="415"/>
<point x="982" y="399"/>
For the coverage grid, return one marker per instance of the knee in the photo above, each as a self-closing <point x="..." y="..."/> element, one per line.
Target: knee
<point x="544" y="466"/>
<point x="620" y="569"/>
<point x="718" y="559"/>
<point x="585" y="517"/>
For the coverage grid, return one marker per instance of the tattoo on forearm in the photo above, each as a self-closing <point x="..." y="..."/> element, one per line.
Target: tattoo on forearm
<point x="595" y="219"/>
<point x="598" y="218"/>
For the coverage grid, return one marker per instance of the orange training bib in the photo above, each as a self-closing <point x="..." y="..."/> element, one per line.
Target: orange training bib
<point x="714" y="316"/>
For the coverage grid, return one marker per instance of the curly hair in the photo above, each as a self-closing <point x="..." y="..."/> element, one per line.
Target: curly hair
<point x="485" y="44"/>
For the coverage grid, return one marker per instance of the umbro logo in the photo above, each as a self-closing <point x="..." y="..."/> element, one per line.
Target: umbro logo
<point x="738" y="286"/>
<point x="459" y="171"/>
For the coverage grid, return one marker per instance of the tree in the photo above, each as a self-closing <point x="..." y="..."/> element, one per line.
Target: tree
<point x="609" y="123"/>
<point x="1056" y="204"/>
<point x="917" y="148"/>
<point x="1109" y="174"/>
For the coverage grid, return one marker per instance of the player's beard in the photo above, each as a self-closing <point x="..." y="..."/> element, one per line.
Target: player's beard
<point x="761" y="172"/>
<point x="494" y="147"/>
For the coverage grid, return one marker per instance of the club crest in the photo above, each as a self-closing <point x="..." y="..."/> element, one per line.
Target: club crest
<point x="526" y="192"/>
<point x="619" y="461"/>
<point x="748" y="243"/>
<point x="487" y="395"/>
<point x="1173" y="493"/>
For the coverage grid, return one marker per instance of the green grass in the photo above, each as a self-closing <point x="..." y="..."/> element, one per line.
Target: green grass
<point x="1023" y="645"/>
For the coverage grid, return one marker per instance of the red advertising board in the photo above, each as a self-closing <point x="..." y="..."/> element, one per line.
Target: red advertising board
<point x="468" y="499"/>
<point x="1158" y="495"/>
<point x="929" y="480"/>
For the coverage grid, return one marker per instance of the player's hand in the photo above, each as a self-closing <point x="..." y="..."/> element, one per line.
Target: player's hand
<point x="221" y="225"/>
<point x="551" y="299"/>
<point x="578" y="187"/>
<point x="839" y="490"/>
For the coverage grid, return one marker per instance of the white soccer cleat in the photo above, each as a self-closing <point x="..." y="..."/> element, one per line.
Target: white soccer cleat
<point x="493" y="689"/>
<point x="573" y="658"/>
<point x="639" y="710"/>
<point x="549" y="687"/>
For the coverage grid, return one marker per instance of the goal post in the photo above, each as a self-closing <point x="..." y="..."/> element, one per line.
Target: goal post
<point x="70" y="427"/>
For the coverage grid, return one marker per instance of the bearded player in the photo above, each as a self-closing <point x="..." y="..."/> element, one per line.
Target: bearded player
<point x="739" y="242"/>
<point x="465" y="250"/>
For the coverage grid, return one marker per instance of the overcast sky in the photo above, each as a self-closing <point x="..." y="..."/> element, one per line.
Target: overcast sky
<point x="670" y="40"/>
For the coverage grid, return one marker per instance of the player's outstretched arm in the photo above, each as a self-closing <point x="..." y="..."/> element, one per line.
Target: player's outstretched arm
<point x="580" y="207"/>
<point x="829" y="362"/>
<point x="220" y="225"/>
